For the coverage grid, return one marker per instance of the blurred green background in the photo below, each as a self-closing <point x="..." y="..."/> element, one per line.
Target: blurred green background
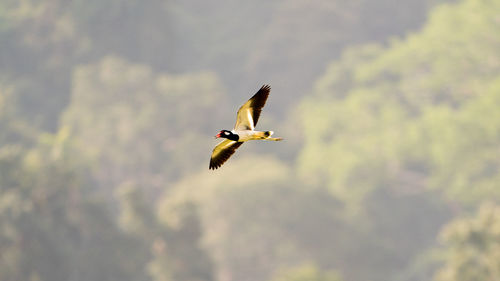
<point x="390" y="168"/>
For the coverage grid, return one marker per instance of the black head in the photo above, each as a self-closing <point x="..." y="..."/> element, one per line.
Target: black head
<point x="228" y="135"/>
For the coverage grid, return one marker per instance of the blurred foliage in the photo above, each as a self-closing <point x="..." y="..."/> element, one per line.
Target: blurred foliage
<point x="395" y="120"/>
<point x="305" y="272"/>
<point x="40" y="45"/>
<point x="175" y="250"/>
<point x="49" y="220"/>
<point x="391" y="142"/>
<point x="472" y="246"/>
<point x="244" y="227"/>
<point x="279" y="55"/>
<point x="133" y="122"/>
<point x="463" y="147"/>
<point x="412" y="121"/>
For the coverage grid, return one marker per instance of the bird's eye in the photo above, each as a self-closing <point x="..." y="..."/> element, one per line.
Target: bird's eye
<point x="226" y="133"/>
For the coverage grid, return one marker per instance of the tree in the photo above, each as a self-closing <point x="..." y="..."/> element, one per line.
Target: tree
<point x="40" y="44"/>
<point x="411" y="124"/>
<point x="384" y="123"/>
<point x="257" y="218"/>
<point x="463" y="147"/>
<point x="306" y="272"/>
<point x="471" y="247"/>
<point x="303" y="36"/>
<point x="140" y="126"/>
<point x="174" y="243"/>
<point x="52" y="228"/>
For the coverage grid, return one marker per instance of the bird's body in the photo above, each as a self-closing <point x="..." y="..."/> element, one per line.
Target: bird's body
<point x="247" y="135"/>
<point x="244" y="129"/>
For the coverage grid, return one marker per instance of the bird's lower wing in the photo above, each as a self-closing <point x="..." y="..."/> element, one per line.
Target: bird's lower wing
<point x="222" y="152"/>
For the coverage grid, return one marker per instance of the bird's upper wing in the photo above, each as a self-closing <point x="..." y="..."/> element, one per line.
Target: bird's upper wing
<point x="249" y="113"/>
<point x="222" y="152"/>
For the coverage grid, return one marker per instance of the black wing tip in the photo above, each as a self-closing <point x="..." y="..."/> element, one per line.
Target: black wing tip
<point x="214" y="164"/>
<point x="266" y="87"/>
<point x="217" y="163"/>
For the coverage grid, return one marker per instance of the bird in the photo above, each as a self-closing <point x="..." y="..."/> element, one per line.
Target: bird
<point x="244" y="129"/>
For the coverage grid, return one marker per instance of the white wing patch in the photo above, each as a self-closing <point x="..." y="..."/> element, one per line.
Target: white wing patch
<point x="250" y="119"/>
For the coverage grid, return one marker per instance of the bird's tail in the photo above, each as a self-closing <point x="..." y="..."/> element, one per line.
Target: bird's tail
<point x="268" y="135"/>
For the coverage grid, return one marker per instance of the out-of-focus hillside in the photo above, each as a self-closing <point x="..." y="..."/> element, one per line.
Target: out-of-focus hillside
<point x="390" y="168"/>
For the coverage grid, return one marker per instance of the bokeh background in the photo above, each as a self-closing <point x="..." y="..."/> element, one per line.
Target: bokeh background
<point x="390" y="168"/>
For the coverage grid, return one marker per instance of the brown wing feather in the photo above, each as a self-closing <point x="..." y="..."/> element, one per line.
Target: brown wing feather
<point x="222" y="152"/>
<point x="258" y="102"/>
<point x="254" y="105"/>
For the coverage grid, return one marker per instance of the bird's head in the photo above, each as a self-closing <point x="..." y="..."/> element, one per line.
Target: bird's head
<point x="227" y="135"/>
<point x="223" y="134"/>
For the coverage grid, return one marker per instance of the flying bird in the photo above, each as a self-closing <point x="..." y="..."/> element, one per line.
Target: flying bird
<point x="244" y="129"/>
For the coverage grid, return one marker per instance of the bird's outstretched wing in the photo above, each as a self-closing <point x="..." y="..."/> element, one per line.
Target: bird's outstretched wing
<point x="222" y="152"/>
<point x="249" y="113"/>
